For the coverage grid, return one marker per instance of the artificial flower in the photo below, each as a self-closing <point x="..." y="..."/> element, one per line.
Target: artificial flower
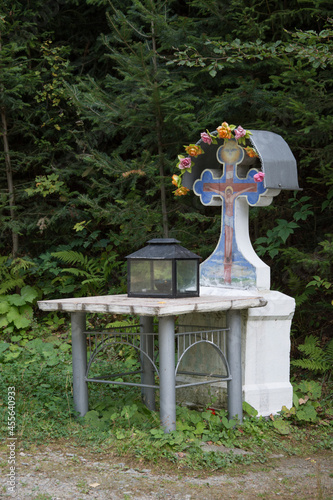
<point x="251" y="152"/>
<point x="175" y="180"/>
<point x="206" y="138"/>
<point x="193" y="150"/>
<point x="239" y="132"/>
<point x="224" y="131"/>
<point x="181" y="191"/>
<point x="259" y="177"/>
<point x="185" y="163"/>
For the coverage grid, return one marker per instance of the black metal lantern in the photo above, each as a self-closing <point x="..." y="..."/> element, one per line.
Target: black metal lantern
<point x="163" y="269"/>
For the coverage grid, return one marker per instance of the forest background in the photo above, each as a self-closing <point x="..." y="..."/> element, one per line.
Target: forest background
<point x="97" y="99"/>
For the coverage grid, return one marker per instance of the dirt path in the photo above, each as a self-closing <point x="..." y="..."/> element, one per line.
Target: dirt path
<point x="57" y="473"/>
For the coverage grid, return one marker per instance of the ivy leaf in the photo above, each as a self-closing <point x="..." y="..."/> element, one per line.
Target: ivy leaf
<point x="307" y="414"/>
<point x="29" y="294"/>
<point x="19" y="320"/>
<point x="312" y="388"/>
<point x="92" y="416"/>
<point x="200" y="427"/>
<point x="16" y="300"/>
<point x="282" y="427"/>
<point x="4" y="307"/>
<point x="3" y="321"/>
<point x="3" y="347"/>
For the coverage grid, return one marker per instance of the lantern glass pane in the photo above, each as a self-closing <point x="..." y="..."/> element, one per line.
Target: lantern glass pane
<point x="187" y="276"/>
<point x="162" y="277"/>
<point x="140" y="276"/>
<point x="151" y="277"/>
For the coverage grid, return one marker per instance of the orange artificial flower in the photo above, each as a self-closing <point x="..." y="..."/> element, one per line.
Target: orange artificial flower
<point x="224" y="131"/>
<point x="181" y="191"/>
<point x="251" y="152"/>
<point x="193" y="150"/>
<point x="175" y="179"/>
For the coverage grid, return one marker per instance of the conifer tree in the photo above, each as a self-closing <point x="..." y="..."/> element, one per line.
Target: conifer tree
<point x="34" y="127"/>
<point x="141" y="109"/>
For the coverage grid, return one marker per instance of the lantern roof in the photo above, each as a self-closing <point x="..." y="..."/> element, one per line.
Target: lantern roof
<point x="163" y="248"/>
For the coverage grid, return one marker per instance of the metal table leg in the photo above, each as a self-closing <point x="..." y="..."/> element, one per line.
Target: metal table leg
<point x="167" y="373"/>
<point x="234" y="356"/>
<point x="148" y="375"/>
<point x="79" y="360"/>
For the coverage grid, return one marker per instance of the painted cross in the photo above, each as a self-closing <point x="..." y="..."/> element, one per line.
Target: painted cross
<point x="227" y="265"/>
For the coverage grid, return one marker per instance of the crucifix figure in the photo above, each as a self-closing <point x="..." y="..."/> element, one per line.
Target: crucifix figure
<point x="227" y="264"/>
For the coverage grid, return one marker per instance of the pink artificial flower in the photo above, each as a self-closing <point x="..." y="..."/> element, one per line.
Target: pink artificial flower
<point x="206" y="138"/>
<point x="259" y="177"/>
<point x="239" y="132"/>
<point x="185" y="163"/>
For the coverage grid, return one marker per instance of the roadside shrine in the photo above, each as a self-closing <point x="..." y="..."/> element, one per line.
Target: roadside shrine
<point x="238" y="174"/>
<point x="235" y="336"/>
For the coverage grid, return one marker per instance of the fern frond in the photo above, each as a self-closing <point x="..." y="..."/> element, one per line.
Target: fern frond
<point x="317" y="360"/>
<point x="10" y="284"/>
<point x="93" y="267"/>
<point x="71" y="257"/>
<point x="76" y="272"/>
<point x="329" y="353"/>
<point x="3" y="261"/>
<point x="94" y="281"/>
<point x="311" y="348"/>
<point x="309" y="364"/>
<point x="24" y="264"/>
<point x="301" y="299"/>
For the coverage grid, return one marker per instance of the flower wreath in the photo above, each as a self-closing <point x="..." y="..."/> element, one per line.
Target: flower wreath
<point x="224" y="131"/>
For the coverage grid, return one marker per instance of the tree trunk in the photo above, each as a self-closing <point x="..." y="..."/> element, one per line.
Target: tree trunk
<point x="10" y="183"/>
<point x="159" y="124"/>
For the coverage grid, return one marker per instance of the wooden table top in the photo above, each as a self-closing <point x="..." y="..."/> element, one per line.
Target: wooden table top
<point x="122" y="304"/>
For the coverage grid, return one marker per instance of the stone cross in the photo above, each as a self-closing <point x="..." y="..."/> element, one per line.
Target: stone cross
<point x="228" y="265"/>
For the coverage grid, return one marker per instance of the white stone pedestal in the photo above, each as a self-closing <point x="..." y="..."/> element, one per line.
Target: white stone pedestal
<point x="265" y="353"/>
<point x="266" y="369"/>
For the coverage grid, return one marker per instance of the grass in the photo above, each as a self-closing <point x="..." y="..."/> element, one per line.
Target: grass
<point x="120" y="424"/>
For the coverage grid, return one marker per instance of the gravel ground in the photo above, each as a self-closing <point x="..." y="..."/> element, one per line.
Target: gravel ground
<point x="58" y="473"/>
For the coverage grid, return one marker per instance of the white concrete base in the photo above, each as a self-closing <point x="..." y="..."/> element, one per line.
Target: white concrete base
<point x="265" y="352"/>
<point x="266" y="384"/>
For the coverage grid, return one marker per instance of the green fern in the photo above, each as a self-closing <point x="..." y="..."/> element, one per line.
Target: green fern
<point x="317" y="360"/>
<point x="12" y="273"/>
<point x="93" y="271"/>
<point x="10" y="284"/>
<point x="71" y="257"/>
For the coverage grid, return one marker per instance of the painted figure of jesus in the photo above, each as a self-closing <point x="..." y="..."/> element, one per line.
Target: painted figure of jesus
<point x="230" y="154"/>
<point x="229" y="196"/>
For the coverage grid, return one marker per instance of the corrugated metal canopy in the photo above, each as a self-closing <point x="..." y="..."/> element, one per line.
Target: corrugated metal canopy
<point x="276" y="161"/>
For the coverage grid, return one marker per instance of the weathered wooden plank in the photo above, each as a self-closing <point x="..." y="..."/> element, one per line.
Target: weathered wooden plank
<point x="122" y="304"/>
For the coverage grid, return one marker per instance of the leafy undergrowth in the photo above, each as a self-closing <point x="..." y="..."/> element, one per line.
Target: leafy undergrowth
<point x="40" y="373"/>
